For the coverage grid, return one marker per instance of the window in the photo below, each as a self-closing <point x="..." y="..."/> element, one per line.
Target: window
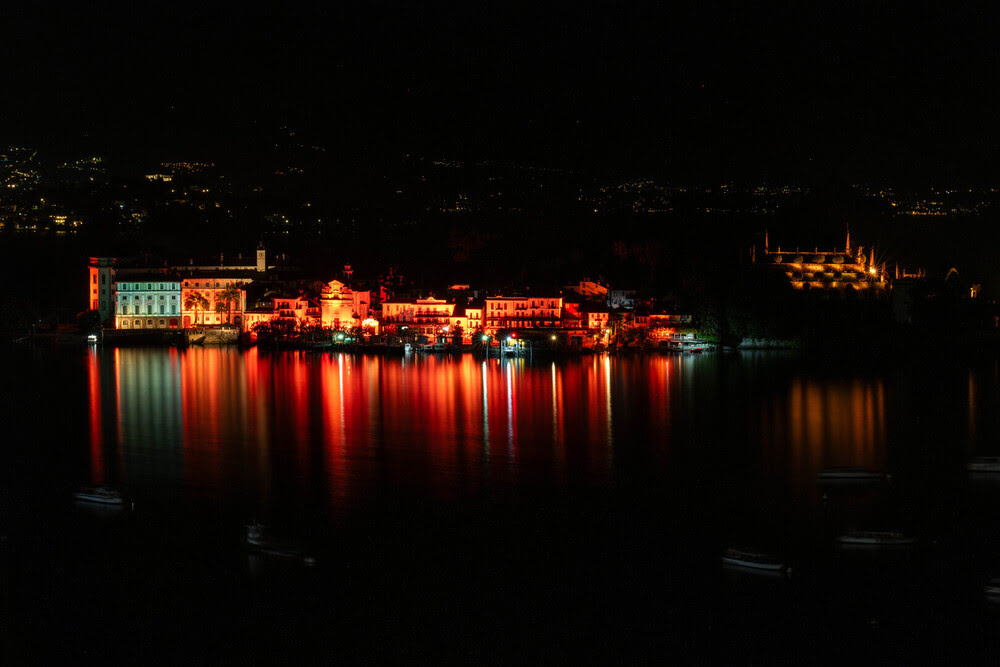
<point x="93" y="278"/>
<point x="138" y="322"/>
<point x="149" y="323"/>
<point x="161" y="312"/>
<point x="149" y="286"/>
<point x="173" y="297"/>
<point x="149" y="311"/>
<point x="124" y="310"/>
<point x="173" y="309"/>
<point x="162" y="322"/>
<point x="161" y="286"/>
<point x="104" y="279"/>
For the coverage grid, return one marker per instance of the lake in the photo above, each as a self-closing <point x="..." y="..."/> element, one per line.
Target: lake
<point x="494" y="510"/>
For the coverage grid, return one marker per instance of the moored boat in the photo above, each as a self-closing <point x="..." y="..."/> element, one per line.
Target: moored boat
<point x="992" y="590"/>
<point x="101" y="494"/>
<point x="853" y="473"/>
<point x="753" y="560"/>
<point x="258" y="540"/>
<point x="984" y="464"/>
<point x="882" y="538"/>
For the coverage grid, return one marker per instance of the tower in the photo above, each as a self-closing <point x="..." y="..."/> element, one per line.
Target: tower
<point x="261" y="258"/>
<point x="765" y="241"/>
<point x="847" y="248"/>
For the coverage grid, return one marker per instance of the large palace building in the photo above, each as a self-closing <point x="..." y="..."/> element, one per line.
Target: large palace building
<point x="838" y="270"/>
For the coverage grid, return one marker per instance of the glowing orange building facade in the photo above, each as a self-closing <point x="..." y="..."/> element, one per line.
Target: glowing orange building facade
<point x="218" y="310"/>
<point x="510" y="312"/>
<point x="342" y="307"/>
<point x="422" y="317"/>
<point x="101" y="286"/>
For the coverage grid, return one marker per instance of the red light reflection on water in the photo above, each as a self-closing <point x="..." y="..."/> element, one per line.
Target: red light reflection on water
<point x="351" y="428"/>
<point x="96" y="423"/>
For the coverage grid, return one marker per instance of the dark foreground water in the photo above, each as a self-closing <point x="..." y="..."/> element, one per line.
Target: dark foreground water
<point x="492" y="511"/>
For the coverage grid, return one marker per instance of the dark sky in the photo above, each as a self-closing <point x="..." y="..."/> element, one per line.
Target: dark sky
<point x="850" y="90"/>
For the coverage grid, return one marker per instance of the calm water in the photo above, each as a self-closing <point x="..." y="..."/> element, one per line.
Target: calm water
<point x="493" y="510"/>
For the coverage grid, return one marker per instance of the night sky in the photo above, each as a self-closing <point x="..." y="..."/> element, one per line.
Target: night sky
<point x="848" y="91"/>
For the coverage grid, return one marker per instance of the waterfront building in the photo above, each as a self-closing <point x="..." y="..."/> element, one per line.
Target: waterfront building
<point x="101" y="286"/>
<point x="342" y="307"/>
<point x="149" y="300"/>
<point x="517" y="312"/>
<point x="667" y="326"/>
<point x="303" y="308"/>
<point x="422" y="317"/>
<point x="220" y="305"/>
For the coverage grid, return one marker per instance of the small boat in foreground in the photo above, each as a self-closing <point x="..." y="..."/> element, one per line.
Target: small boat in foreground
<point x="992" y="590"/>
<point x="753" y="560"/>
<point x="880" y="538"/>
<point x="851" y="473"/>
<point x="984" y="464"/>
<point x="257" y="539"/>
<point x="101" y="494"/>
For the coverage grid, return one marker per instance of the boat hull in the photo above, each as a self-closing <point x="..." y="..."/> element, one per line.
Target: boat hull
<point x="87" y="498"/>
<point x="846" y="540"/>
<point x="767" y="567"/>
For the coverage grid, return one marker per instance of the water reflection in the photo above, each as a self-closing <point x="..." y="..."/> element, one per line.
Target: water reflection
<point x="341" y="430"/>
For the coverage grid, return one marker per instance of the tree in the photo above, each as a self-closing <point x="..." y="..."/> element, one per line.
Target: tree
<point x="456" y="332"/>
<point x="197" y="302"/>
<point x="228" y="296"/>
